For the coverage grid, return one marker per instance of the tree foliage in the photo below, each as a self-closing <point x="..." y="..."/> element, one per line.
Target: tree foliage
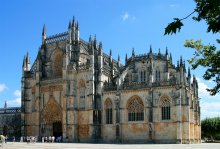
<point x="211" y="128"/>
<point x="207" y="56"/>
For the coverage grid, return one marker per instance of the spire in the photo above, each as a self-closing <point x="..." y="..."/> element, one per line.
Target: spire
<point x="166" y="51"/>
<point x="5" y="106"/>
<point x="73" y="22"/>
<point x="159" y="52"/>
<point x="69" y="25"/>
<point x="95" y="43"/>
<point x="24" y="63"/>
<point x="27" y="62"/>
<point x="126" y="58"/>
<point x="184" y="66"/>
<point x="77" y="31"/>
<point x="178" y="65"/>
<point x="77" y="25"/>
<point x="100" y="48"/>
<point x="118" y="60"/>
<point x="170" y="58"/>
<point x="189" y="74"/>
<point x="181" y="61"/>
<point x="44" y="30"/>
<point x="110" y="53"/>
<point x="44" y="36"/>
<point x="151" y="49"/>
<point x="133" y="53"/>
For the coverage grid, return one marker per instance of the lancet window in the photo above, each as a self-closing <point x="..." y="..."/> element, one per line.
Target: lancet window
<point x="108" y="111"/>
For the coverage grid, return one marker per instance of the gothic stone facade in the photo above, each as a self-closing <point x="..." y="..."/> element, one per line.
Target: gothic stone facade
<point x="73" y="89"/>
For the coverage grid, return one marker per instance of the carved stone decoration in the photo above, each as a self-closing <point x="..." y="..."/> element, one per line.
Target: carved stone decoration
<point x="57" y="63"/>
<point x="52" y="112"/>
<point x="52" y="88"/>
<point x="135" y="104"/>
<point x="83" y="130"/>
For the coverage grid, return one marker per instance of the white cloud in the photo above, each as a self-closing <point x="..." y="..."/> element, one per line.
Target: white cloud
<point x="3" y="87"/>
<point x="203" y="92"/>
<point x="126" y="16"/>
<point x="210" y="109"/>
<point x="210" y="105"/>
<point x="17" y="93"/>
<point x="15" y="102"/>
<point x="172" y="5"/>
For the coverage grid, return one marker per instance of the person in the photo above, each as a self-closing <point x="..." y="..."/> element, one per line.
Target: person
<point x="14" y="139"/>
<point x="21" y="140"/>
<point x="2" y="140"/>
<point x="6" y="139"/>
<point x="50" y="139"/>
<point x="53" y="138"/>
<point x="42" y="139"/>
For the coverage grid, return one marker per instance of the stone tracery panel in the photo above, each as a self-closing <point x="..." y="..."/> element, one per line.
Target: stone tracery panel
<point x="52" y="112"/>
<point x="57" y="63"/>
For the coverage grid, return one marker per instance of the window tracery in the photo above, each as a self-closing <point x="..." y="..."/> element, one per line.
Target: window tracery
<point x="58" y="63"/>
<point x="165" y="109"/>
<point x="135" y="109"/>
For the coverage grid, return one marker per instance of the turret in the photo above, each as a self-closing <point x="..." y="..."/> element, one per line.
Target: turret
<point x="44" y="35"/>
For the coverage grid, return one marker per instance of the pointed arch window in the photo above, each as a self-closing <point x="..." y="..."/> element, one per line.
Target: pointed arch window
<point x="135" y="109"/>
<point x="157" y="75"/>
<point x="165" y="109"/>
<point x="58" y="63"/>
<point x="108" y="111"/>
<point x="143" y="76"/>
<point x="82" y="93"/>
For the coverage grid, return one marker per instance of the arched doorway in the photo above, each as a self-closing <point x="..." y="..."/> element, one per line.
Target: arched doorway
<point x="52" y="119"/>
<point x="57" y="129"/>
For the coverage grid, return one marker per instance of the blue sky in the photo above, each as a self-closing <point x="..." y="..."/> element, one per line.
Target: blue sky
<point x="120" y="24"/>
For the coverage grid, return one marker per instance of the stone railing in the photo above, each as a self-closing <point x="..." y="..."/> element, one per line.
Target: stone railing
<point x="139" y="85"/>
<point x="110" y="87"/>
<point x="11" y="110"/>
<point x="57" y="37"/>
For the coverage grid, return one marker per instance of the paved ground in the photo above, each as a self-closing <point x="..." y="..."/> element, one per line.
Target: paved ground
<point x="109" y="146"/>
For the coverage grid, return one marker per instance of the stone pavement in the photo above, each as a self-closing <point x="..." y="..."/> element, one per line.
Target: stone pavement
<point x="18" y="145"/>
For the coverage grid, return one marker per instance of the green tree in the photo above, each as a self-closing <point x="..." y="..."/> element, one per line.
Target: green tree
<point x="207" y="56"/>
<point x="211" y="128"/>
